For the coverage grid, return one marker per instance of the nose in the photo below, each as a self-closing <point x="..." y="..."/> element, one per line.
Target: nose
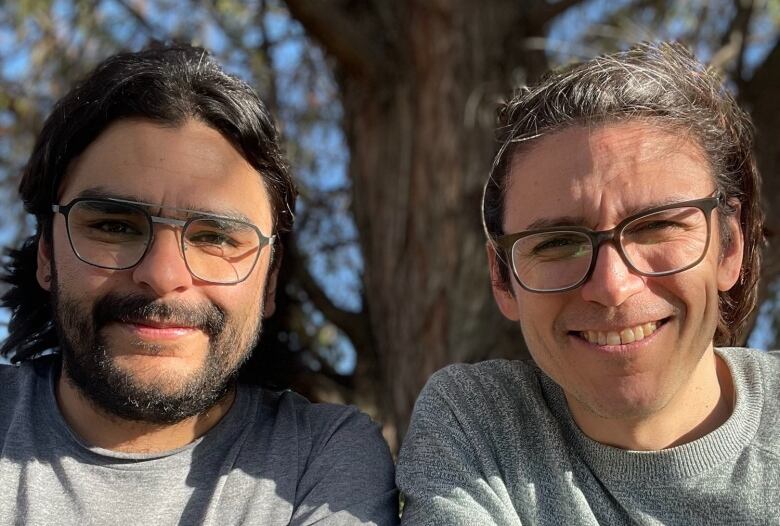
<point x="612" y="281"/>
<point x="163" y="268"/>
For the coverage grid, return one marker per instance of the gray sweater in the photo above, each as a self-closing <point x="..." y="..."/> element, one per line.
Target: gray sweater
<point x="494" y="443"/>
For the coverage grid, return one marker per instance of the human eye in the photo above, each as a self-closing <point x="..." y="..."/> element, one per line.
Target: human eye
<point x="210" y="238"/>
<point x="110" y="228"/>
<point x="217" y="233"/>
<point x="113" y="227"/>
<point x="667" y="225"/>
<point x="112" y="231"/>
<point x="558" y="246"/>
<point x="655" y="225"/>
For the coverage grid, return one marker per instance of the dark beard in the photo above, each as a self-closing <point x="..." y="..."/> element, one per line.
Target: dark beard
<point x="89" y="365"/>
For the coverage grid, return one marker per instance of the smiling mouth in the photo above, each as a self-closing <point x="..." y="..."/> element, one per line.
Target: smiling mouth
<point x="623" y="336"/>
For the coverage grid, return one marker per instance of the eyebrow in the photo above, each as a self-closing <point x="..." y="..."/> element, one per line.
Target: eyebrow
<point x="100" y="192"/>
<point x="560" y="221"/>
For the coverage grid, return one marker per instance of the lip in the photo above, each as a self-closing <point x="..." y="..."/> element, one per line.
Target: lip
<point x="149" y="330"/>
<point x="622" y="348"/>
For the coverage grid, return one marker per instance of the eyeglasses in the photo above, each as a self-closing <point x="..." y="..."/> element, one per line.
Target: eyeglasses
<point x="657" y="242"/>
<point x="116" y="234"/>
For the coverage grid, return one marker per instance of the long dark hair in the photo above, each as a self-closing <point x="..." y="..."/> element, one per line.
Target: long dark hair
<point x="164" y="84"/>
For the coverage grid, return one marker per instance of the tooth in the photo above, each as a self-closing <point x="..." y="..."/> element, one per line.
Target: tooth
<point x="627" y="336"/>
<point x="639" y="333"/>
<point x="613" y="338"/>
<point x="649" y="328"/>
<point x="602" y="338"/>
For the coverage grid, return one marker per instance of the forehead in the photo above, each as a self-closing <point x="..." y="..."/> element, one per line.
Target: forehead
<point x="188" y="166"/>
<point x="595" y="176"/>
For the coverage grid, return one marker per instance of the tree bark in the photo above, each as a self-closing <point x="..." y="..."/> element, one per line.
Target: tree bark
<point x="759" y="95"/>
<point x="420" y="81"/>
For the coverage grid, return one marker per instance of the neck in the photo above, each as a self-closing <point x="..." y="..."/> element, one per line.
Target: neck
<point x="699" y="407"/>
<point x="101" y="429"/>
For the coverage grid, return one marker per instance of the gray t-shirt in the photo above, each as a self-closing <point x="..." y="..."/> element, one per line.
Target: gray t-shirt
<point x="273" y="459"/>
<point x="494" y="443"/>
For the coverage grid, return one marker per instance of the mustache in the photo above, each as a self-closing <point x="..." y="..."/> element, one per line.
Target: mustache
<point x="135" y="308"/>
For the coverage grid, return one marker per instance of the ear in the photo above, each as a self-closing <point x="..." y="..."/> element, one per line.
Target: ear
<point x="730" y="261"/>
<point x="269" y="299"/>
<point x="502" y="292"/>
<point x="43" y="258"/>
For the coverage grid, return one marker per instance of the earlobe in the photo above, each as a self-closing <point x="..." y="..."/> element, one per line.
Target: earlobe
<point x="730" y="263"/>
<point x="43" y="259"/>
<point x="502" y="292"/>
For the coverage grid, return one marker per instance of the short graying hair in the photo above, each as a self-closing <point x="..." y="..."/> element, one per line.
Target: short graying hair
<point x="664" y="85"/>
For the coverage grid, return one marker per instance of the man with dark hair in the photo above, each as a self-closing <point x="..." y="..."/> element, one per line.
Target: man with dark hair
<point x="160" y="189"/>
<point x="624" y="235"/>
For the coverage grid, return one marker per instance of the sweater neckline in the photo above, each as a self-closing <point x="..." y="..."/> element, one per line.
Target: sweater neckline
<point x="223" y="431"/>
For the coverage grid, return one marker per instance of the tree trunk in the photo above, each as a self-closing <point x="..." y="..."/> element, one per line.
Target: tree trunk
<point x="760" y="97"/>
<point x="420" y="81"/>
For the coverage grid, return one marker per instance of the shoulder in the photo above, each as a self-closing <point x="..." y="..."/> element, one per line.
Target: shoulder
<point x="14" y="379"/>
<point x="756" y="375"/>
<point x="480" y="387"/>
<point x="490" y="373"/>
<point x="475" y="430"/>
<point x="752" y="363"/>
<point x="18" y="384"/>
<point x="471" y="410"/>
<point x="326" y="432"/>
<point x="316" y="420"/>
<point x="343" y="459"/>
<point x="754" y="370"/>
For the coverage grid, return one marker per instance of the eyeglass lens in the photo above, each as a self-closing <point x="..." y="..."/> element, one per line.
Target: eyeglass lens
<point x="115" y="235"/>
<point x="658" y="243"/>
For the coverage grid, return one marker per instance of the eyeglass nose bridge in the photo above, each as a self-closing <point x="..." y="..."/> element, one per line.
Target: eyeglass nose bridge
<point x="598" y="239"/>
<point x="175" y="223"/>
<point x="168" y="221"/>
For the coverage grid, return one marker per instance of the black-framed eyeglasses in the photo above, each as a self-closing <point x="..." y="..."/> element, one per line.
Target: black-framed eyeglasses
<point x="116" y="234"/>
<point x="656" y="242"/>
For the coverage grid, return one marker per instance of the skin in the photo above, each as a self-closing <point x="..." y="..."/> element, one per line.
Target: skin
<point x="669" y="388"/>
<point x="189" y="166"/>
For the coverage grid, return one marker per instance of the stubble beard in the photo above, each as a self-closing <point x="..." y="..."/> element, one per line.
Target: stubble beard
<point x="89" y="364"/>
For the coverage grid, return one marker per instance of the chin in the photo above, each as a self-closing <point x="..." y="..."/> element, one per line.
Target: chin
<point x="633" y="403"/>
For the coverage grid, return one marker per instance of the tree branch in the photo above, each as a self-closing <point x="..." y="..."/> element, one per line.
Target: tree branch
<point x="764" y="77"/>
<point x="140" y="18"/>
<point x="354" y="325"/>
<point x="547" y="11"/>
<point x="343" y="38"/>
<point x="734" y="42"/>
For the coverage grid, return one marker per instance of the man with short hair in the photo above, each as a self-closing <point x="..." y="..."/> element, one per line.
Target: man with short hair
<point x="159" y="188"/>
<point x="624" y="235"/>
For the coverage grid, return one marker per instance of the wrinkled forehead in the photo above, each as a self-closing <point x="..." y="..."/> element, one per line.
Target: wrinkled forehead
<point x="595" y="176"/>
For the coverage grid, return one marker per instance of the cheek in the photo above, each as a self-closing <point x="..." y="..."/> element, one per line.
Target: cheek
<point x="538" y="314"/>
<point x="77" y="279"/>
<point x="242" y="301"/>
